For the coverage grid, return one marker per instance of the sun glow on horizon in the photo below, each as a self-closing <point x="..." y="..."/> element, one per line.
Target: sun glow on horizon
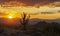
<point x="10" y="17"/>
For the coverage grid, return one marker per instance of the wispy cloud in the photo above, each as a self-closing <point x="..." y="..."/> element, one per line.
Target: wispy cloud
<point x="47" y="12"/>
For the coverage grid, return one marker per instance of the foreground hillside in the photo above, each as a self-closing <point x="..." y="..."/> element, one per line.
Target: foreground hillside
<point x="39" y="28"/>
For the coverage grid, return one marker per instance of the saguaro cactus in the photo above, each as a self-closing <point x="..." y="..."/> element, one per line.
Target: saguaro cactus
<point x="24" y="20"/>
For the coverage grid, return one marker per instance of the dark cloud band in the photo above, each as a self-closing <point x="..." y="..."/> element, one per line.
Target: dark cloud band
<point x="32" y="2"/>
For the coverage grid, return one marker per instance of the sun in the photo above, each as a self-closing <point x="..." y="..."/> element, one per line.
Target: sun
<point x="10" y="17"/>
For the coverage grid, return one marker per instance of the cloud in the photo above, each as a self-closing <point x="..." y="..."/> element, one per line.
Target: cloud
<point x="34" y="13"/>
<point x="3" y="14"/>
<point x="58" y="11"/>
<point x="47" y="12"/>
<point x="35" y="3"/>
<point x="57" y="4"/>
<point x="42" y="13"/>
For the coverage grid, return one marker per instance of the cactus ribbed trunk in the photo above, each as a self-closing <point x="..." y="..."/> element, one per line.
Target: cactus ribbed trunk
<point x="24" y="20"/>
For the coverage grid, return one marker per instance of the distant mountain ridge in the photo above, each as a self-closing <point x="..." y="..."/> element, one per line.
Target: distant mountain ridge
<point x="36" y="20"/>
<point x="31" y="21"/>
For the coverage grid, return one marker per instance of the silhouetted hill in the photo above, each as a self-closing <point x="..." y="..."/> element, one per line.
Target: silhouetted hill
<point x="33" y="21"/>
<point x="16" y="21"/>
<point x="36" y="20"/>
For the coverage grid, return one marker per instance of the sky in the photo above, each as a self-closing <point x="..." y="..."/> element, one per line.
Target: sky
<point x="46" y="9"/>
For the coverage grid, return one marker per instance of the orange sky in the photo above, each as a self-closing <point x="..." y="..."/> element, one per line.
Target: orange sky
<point x="15" y="9"/>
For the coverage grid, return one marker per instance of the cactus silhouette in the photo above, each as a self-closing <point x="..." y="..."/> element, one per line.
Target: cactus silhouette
<point x="25" y="19"/>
